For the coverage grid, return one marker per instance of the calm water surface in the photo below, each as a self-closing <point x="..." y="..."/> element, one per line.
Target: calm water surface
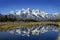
<point x="49" y="35"/>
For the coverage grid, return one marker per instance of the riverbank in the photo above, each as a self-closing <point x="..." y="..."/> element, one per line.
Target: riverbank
<point x="58" y="37"/>
<point x="7" y="25"/>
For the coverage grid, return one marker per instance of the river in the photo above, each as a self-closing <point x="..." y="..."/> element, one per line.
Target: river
<point x="48" y="32"/>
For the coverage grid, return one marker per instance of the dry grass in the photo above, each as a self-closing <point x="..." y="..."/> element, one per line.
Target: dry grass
<point x="8" y="25"/>
<point x="58" y="37"/>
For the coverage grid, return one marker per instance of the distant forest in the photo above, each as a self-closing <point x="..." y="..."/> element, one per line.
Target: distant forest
<point x="12" y="18"/>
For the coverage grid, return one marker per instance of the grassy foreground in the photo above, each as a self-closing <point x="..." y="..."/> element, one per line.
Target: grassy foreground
<point x="7" y="25"/>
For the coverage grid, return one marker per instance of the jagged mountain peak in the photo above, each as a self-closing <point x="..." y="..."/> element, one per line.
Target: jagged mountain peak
<point x="18" y="12"/>
<point x="28" y="11"/>
<point x="35" y="14"/>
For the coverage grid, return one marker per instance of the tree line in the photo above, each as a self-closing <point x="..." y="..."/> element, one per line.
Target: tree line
<point x="12" y="18"/>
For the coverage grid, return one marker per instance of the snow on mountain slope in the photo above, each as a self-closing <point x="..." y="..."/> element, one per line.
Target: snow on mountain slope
<point x="57" y="15"/>
<point x="34" y="14"/>
<point x="18" y="12"/>
<point x="12" y="12"/>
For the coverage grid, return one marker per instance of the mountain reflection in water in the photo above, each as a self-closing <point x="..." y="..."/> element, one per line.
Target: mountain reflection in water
<point x="48" y="32"/>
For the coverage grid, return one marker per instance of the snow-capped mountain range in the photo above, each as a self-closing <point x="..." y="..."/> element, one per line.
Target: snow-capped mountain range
<point x="35" y="14"/>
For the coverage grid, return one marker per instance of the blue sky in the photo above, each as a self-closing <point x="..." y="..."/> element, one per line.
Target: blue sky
<point x="50" y="6"/>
